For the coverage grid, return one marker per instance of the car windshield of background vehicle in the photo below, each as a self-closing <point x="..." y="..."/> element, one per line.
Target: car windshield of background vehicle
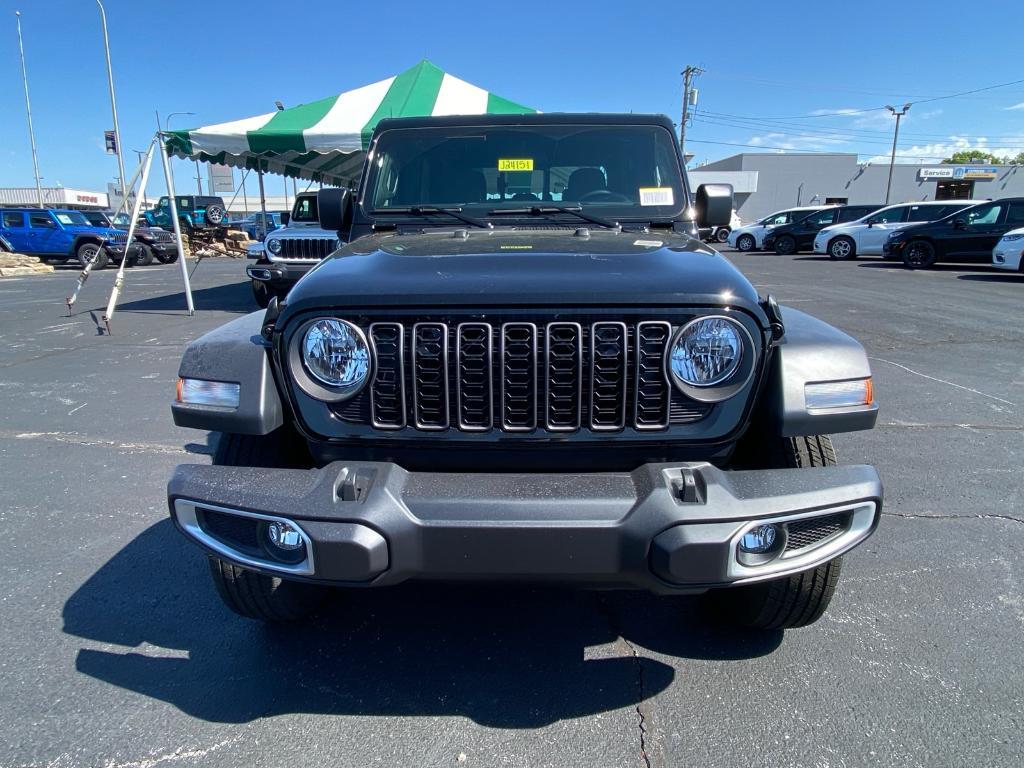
<point x="629" y="171"/>
<point x="72" y="217"/>
<point x="306" y="210"/>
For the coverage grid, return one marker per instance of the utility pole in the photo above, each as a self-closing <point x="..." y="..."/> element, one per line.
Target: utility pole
<point x="689" y="95"/>
<point x="28" y="110"/>
<point x="113" y="101"/>
<point x="895" y="136"/>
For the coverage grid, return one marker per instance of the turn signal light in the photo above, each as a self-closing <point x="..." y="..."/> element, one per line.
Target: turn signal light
<point x="828" y="395"/>
<point x="218" y="394"/>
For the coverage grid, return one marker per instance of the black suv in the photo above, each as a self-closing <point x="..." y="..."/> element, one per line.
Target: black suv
<point x="149" y="243"/>
<point x="968" y="235"/>
<point x="521" y="366"/>
<point x="799" y="235"/>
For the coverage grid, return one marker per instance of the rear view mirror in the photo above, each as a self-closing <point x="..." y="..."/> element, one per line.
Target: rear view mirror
<point x="285" y="218"/>
<point x="713" y="203"/>
<point x="335" y="210"/>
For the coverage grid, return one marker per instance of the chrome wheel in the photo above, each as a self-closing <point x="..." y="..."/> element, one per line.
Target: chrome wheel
<point x="745" y="243"/>
<point x="840" y="248"/>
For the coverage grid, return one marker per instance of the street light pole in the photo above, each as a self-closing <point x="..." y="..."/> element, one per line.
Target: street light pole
<point x="895" y="137"/>
<point x="113" y="101"/>
<point x="28" y="110"/>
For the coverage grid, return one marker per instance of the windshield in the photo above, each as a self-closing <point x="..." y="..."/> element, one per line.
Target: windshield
<point x="305" y="209"/>
<point x="621" y="171"/>
<point x="72" y="217"/>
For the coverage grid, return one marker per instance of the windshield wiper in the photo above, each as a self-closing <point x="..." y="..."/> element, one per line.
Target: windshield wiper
<point x="541" y="210"/>
<point x="427" y="210"/>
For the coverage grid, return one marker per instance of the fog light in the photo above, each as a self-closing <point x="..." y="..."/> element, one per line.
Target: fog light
<point x="759" y="539"/>
<point x="284" y="536"/>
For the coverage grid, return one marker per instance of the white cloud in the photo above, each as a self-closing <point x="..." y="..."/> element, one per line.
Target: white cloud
<point x="930" y="114"/>
<point x="1016" y="106"/>
<point x="929" y="154"/>
<point x="784" y="141"/>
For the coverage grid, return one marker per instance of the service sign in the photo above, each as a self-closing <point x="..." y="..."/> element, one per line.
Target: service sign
<point x="935" y="173"/>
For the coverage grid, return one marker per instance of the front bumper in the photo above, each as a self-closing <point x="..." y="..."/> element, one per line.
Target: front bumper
<point x="1010" y="259"/>
<point x="278" y="273"/>
<point x="662" y="527"/>
<point x="893" y="249"/>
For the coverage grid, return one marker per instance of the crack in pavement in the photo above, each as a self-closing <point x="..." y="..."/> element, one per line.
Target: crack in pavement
<point x="609" y="614"/>
<point x="941" y="381"/>
<point x="949" y="425"/>
<point x="915" y="516"/>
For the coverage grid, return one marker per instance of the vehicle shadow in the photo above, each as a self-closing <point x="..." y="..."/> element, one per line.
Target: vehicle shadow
<point x="994" y="277"/>
<point x="508" y="657"/>
<point x="232" y="297"/>
<point x="886" y="264"/>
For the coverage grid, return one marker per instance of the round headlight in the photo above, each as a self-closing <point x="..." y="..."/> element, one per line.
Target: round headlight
<point x="274" y="246"/>
<point x="707" y="352"/>
<point x="336" y="354"/>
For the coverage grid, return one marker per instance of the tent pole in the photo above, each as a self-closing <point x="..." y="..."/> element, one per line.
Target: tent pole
<point x="119" y="280"/>
<point x="245" y="195"/>
<point x="263" y="197"/>
<point x="174" y="216"/>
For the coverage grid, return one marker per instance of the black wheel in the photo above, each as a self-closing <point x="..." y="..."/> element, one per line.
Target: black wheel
<point x="168" y="258"/>
<point x="248" y="593"/>
<point x="842" y="248"/>
<point x="785" y="246"/>
<point x="92" y="252"/>
<point x="918" y="254"/>
<point x="214" y="215"/>
<point x="143" y="255"/>
<point x="722" y="234"/>
<point x="787" y="603"/>
<point x="791" y="601"/>
<point x="261" y="293"/>
<point x="745" y="243"/>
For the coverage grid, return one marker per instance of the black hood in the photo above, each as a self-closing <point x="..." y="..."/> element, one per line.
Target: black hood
<point x="523" y="267"/>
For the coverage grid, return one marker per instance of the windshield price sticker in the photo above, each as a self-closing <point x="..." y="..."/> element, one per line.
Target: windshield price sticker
<point x="515" y="164"/>
<point x="656" y="196"/>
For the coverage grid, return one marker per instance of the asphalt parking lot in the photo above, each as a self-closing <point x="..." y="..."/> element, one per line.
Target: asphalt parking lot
<point x="118" y="653"/>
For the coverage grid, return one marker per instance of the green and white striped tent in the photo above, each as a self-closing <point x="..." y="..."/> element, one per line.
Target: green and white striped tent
<point x="325" y="140"/>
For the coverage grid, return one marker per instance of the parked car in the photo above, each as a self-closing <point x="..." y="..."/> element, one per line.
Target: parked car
<point x="721" y="234"/>
<point x="257" y="227"/>
<point x="291" y="251"/>
<point x="195" y="212"/>
<point x="867" y="235"/>
<point x="150" y="242"/>
<point x="1008" y="251"/>
<point x="799" y="236"/>
<point x="570" y="389"/>
<point x="751" y="236"/>
<point x="968" y="235"/>
<point x="59" y="235"/>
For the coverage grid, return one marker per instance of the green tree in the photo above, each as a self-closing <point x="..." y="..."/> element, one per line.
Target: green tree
<point x="980" y="156"/>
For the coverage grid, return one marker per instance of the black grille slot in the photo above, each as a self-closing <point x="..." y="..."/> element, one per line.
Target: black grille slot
<point x="652" y="387"/>
<point x="814" y="530"/>
<point x="563" y="361"/>
<point x="519" y="377"/>
<point x="387" y="401"/>
<point x="608" y="349"/>
<point x="475" y="388"/>
<point x="233" y="530"/>
<point x="430" y="375"/>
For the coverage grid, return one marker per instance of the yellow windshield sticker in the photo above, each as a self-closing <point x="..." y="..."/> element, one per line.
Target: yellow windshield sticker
<point x="515" y="163"/>
<point x="656" y="196"/>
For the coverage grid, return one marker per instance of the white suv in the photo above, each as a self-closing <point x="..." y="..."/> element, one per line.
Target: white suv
<point x="1008" y="251"/>
<point x="750" y="237"/>
<point x="866" y="235"/>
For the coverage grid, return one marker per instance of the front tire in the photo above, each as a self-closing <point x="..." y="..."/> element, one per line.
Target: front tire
<point x="170" y="258"/>
<point x="261" y="293"/>
<point x="785" y="246"/>
<point x="745" y="243"/>
<point x="722" y="234"/>
<point x="842" y="248"/>
<point x="92" y="252"/>
<point x="249" y="593"/>
<point x="143" y="255"/>
<point x="796" y="600"/>
<point x="918" y="254"/>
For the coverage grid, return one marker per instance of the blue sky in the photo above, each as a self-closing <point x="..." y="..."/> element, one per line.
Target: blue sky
<point x="771" y="69"/>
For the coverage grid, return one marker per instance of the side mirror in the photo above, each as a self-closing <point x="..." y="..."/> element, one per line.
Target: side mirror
<point x="713" y="203"/>
<point x="285" y="218"/>
<point x="959" y="223"/>
<point x="334" y="207"/>
<point x="871" y="223"/>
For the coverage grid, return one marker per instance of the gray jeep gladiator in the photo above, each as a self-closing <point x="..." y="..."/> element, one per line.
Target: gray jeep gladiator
<point x="523" y="366"/>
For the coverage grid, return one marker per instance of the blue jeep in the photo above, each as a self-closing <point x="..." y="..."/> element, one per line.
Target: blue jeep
<point x="60" y="235"/>
<point x="195" y="212"/>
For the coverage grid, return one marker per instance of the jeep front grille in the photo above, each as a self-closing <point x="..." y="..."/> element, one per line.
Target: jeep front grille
<point x="306" y="248"/>
<point x="520" y="376"/>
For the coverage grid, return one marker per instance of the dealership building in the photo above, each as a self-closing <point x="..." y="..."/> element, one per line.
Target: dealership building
<point x="764" y="183"/>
